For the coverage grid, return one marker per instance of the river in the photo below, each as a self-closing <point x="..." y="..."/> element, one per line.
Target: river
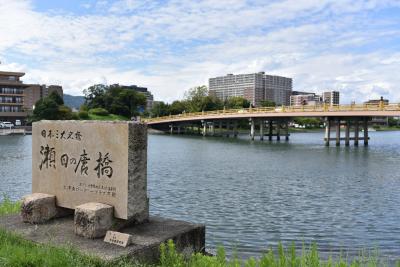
<point x="252" y="195"/>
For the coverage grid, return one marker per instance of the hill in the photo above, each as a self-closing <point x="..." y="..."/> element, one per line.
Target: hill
<point x="73" y="101"/>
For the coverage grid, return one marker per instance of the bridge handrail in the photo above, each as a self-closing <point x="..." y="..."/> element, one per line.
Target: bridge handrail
<point x="282" y="109"/>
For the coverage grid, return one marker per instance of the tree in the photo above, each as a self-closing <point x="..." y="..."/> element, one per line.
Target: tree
<point x="160" y="109"/>
<point x="56" y="98"/>
<point x="51" y="108"/>
<point x="94" y="95"/>
<point x="115" y="99"/>
<point x="195" y="98"/>
<point x="268" y="103"/>
<point x="237" y="102"/>
<point x="211" y="103"/>
<point x="178" y="107"/>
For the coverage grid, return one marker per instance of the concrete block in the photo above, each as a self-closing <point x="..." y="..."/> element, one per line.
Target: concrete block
<point x="93" y="220"/>
<point x="38" y="208"/>
<point x="146" y="237"/>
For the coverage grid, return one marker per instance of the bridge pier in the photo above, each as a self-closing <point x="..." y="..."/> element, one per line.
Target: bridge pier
<point x="220" y="127"/>
<point x="356" y="132"/>
<point x="228" y="128"/>
<point x="204" y="128"/>
<point x="212" y="129"/>
<point x="355" y="122"/>
<point x="327" y="131"/>
<point x="366" y="137"/>
<point x="338" y="132"/>
<point x="278" y="131"/>
<point x="286" y="131"/>
<point x="347" y="133"/>
<point x="262" y="130"/>
<point x="235" y="128"/>
<point x="270" y="129"/>
<point x="252" y="129"/>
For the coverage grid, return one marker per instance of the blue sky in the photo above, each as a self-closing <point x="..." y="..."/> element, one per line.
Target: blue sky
<point x="171" y="46"/>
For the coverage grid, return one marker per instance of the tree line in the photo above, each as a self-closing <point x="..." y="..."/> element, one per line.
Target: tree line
<point x="103" y="99"/>
<point x="198" y="99"/>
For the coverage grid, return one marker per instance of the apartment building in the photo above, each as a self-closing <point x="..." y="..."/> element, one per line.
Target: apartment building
<point x="331" y="98"/>
<point x="17" y="99"/>
<point x="309" y="99"/>
<point x="255" y="87"/>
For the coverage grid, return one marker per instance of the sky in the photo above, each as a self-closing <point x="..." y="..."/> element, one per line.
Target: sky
<point x="170" y="46"/>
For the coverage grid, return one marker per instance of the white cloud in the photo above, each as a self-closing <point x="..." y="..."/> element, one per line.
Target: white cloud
<point x="170" y="47"/>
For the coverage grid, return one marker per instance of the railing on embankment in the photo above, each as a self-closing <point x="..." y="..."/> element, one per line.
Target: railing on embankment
<point x="281" y="110"/>
<point x="22" y="130"/>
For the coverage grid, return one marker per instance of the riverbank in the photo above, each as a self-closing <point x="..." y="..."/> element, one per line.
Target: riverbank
<point x="15" y="251"/>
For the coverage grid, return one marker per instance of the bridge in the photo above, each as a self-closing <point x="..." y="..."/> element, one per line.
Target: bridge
<point x="274" y="121"/>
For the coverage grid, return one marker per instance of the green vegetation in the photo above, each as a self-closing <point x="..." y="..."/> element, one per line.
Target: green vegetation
<point x="9" y="207"/>
<point x="268" y="103"/>
<point x="110" y="117"/>
<point x="386" y="128"/>
<point x="114" y="99"/>
<point x="99" y="111"/>
<point x="394" y="122"/>
<point x="197" y="99"/>
<point x="51" y="108"/>
<point x="15" y="251"/>
<point x="309" y="123"/>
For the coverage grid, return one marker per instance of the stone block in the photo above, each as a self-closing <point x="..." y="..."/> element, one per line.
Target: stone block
<point x="38" y="208"/>
<point x="92" y="161"/>
<point x="93" y="220"/>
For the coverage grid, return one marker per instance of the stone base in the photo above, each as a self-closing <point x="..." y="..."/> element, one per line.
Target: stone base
<point x="146" y="238"/>
<point x="39" y="208"/>
<point x="93" y="220"/>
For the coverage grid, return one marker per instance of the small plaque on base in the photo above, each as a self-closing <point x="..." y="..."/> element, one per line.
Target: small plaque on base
<point x="118" y="238"/>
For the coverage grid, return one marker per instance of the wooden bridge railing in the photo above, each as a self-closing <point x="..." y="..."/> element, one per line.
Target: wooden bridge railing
<point x="281" y="109"/>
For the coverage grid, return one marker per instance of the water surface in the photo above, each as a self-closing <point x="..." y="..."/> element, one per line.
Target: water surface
<point x="252" y="195"/>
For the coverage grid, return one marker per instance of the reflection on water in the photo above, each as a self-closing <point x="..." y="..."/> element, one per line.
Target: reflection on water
<point x="251" y="195"/>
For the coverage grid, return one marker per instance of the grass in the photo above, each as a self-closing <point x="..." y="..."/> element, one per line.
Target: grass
<point x="109" y="117"/>
<point x="9" y="207"/>
<point x="15" y="251"/>
<point x="386" y="128"/>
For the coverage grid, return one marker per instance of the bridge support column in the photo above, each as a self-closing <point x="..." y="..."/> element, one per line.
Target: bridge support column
<point x="212" y="129"/>
<point x="179" y="129"/>
<point x="366" y="137"/>
<point x="338" y="132"/>
<point x="347" y="133"/>
<point x="252" y="129"/>
<point x="171" y="128"/>
<point x="204" y="128"/>
<point x="270" y="129"/>
<point x="278" y="131"/>
<point x="286" y="131"/>
<point x="327" y="131"/>
<point x="235" y="128"/>
<point x="356" y="132"/>
<point x="220" y="128"/>
<point x="262" y="130"/>
<point x="228" y="128"/>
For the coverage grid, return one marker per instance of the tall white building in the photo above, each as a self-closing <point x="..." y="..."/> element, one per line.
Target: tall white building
<point x="331" y="98"/>
<point x="255" y="87"/>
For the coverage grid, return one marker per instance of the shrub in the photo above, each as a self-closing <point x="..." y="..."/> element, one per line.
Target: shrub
<point x="75" y="116"/>
<point x="99" y="111"/>
<point x="83" y="114"/>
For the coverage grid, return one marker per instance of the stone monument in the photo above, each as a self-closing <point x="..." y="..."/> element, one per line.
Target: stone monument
<point x="98" y="169"/>
<point x="89" y="180"/>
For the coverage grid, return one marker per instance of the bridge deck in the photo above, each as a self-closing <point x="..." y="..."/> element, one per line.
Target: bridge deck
<point x="392" y="110"/>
